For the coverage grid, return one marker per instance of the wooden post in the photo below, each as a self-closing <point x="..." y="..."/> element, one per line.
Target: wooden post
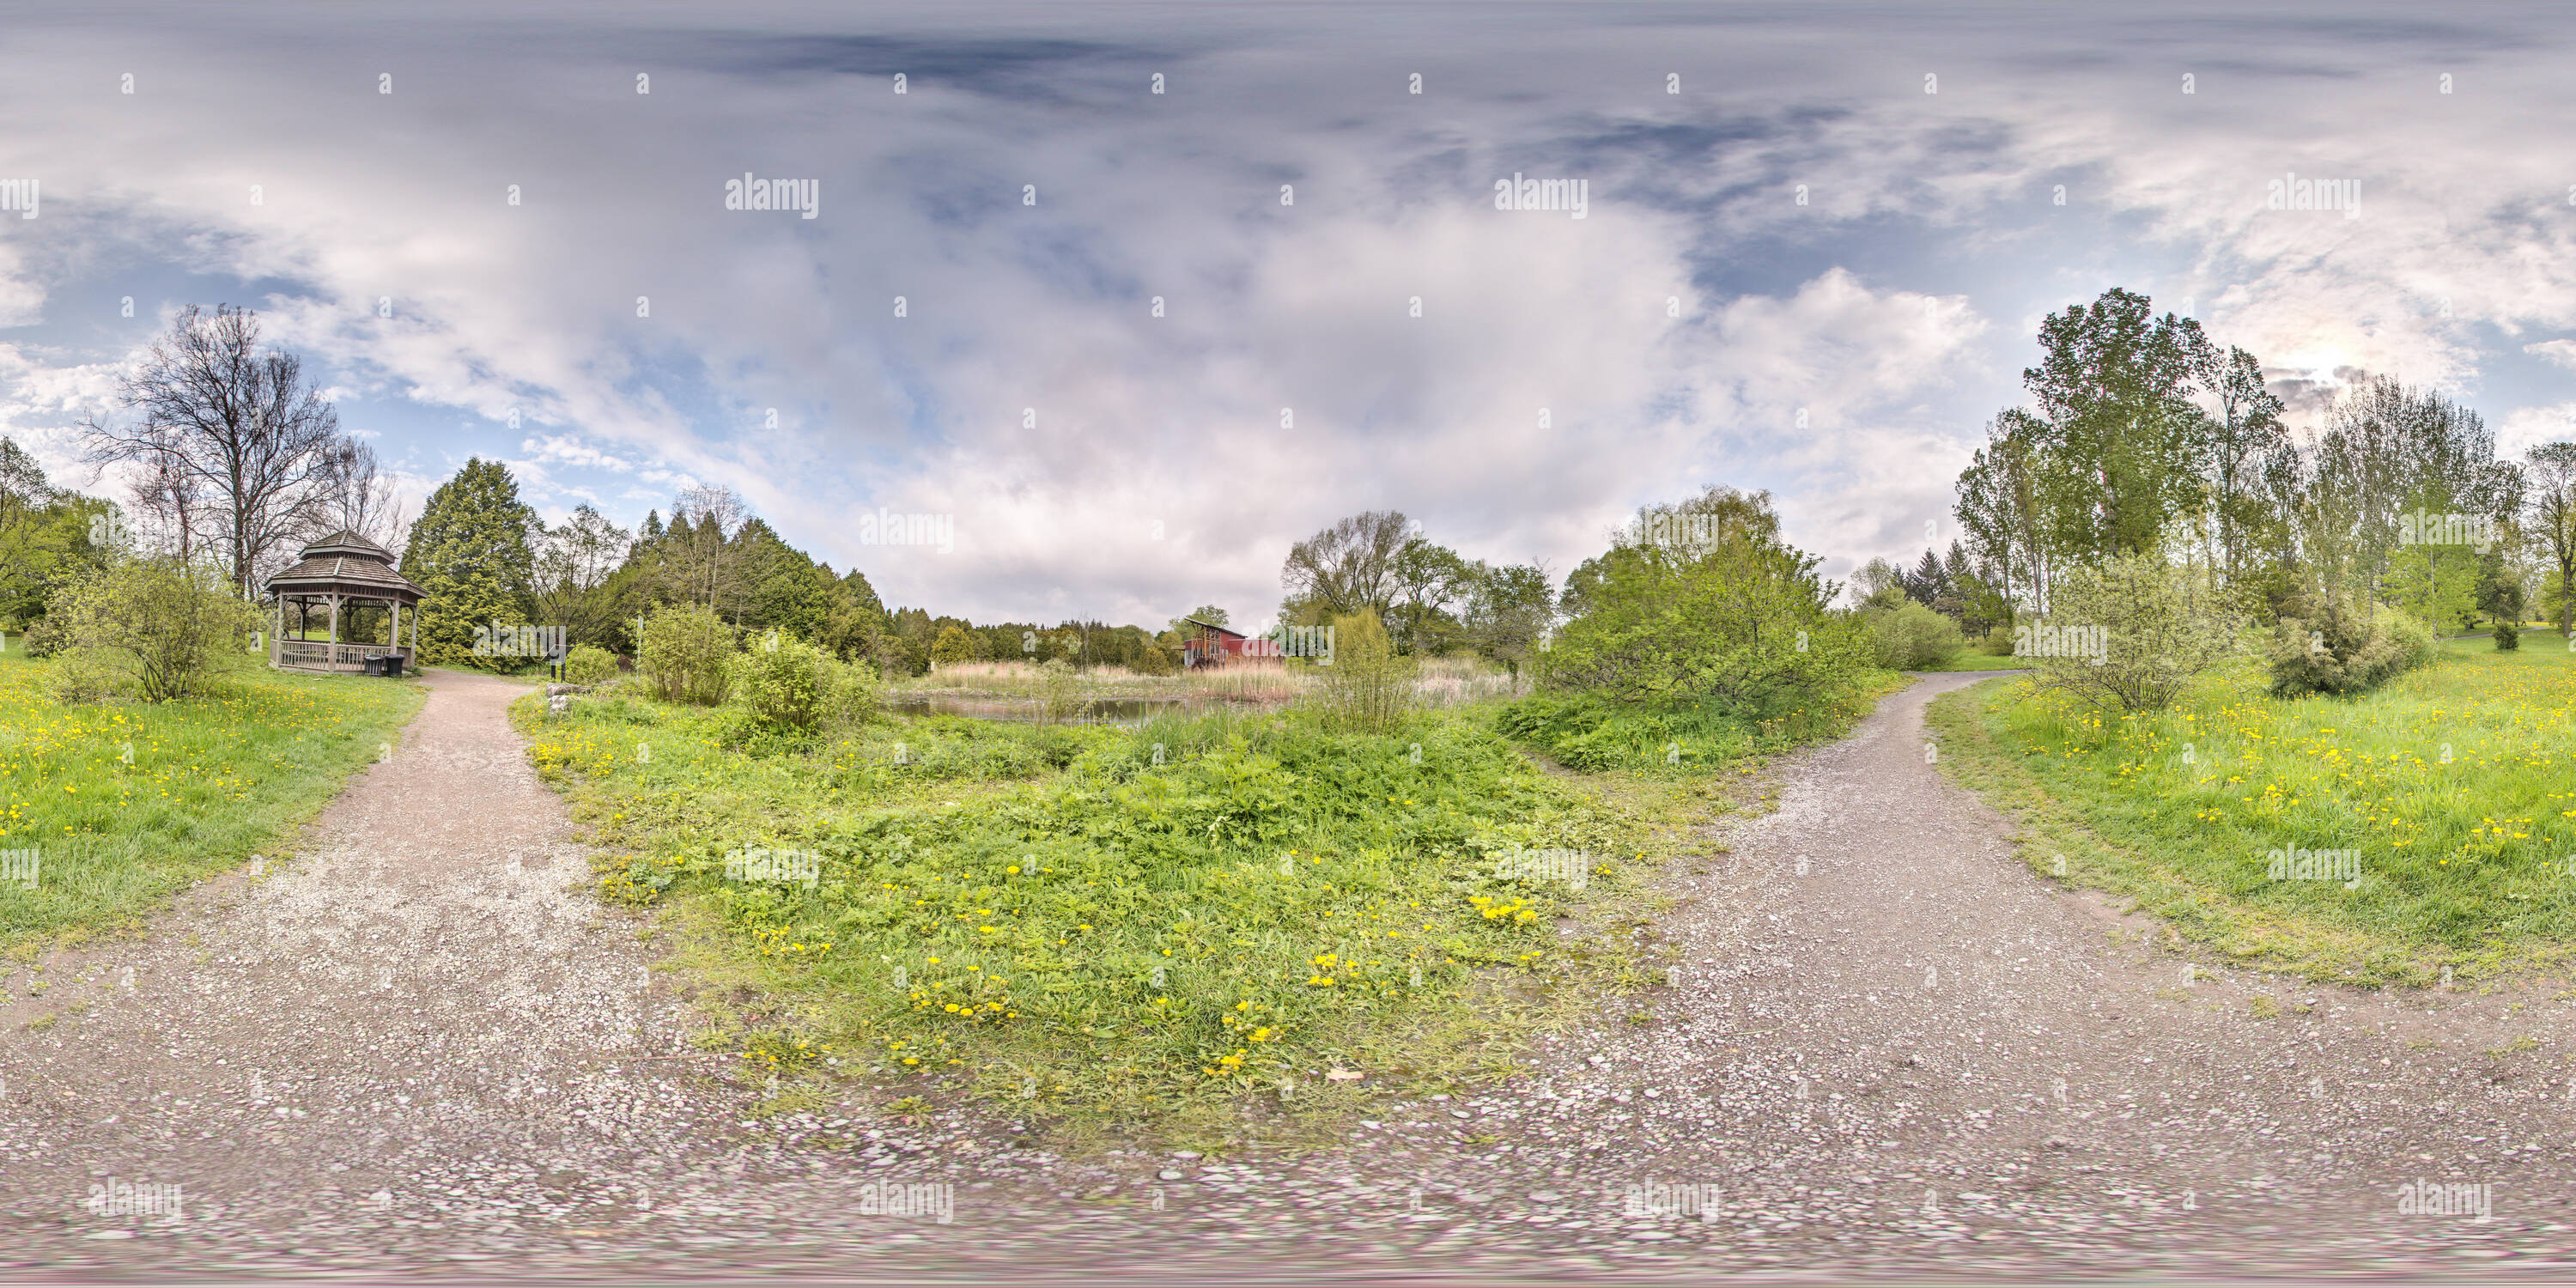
<point x="331" y="655"/>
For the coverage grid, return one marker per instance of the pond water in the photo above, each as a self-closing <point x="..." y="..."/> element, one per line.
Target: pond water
<point x="1117" y="711"/>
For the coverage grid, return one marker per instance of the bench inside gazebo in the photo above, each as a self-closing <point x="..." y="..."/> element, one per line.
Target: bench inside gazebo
<point x="347" y="586"/>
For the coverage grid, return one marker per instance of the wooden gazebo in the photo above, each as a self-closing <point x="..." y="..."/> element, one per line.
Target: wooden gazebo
<point x="343" y="569"/>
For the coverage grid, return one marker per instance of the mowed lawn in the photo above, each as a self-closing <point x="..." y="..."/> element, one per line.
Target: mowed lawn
<point x="126" y="804"/>
<point x="2454" y="787"/>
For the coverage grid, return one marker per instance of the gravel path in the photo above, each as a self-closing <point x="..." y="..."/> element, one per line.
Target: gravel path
<point x="419" y="1048"/>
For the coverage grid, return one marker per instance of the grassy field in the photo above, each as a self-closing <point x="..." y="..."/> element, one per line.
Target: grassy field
<point x="1979" y="660"/>
<point x="2453" y="790"/>
<point x="127" y="804"/>
<point x="1210" y="925"/>
<point x="1439" y="682"/>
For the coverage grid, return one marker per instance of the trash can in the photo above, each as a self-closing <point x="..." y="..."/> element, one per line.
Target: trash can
<point x="389" y="666"/>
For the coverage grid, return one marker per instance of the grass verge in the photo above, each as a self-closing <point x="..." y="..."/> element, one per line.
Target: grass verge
<point x="2452" y="788"/>
<point x="126" y="804"/>
<point x="1223" y="927"/>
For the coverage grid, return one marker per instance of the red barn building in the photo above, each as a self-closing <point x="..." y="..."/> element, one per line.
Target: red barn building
<point x="1212" y="645"/>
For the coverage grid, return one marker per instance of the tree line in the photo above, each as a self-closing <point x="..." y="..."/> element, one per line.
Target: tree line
<point x="2143" y="438"/>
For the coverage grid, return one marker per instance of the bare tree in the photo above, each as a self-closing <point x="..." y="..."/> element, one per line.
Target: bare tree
<point x="232" y="424"/>
<point x="359" y="496"/>
<point x="167" y="502"/>
<point x="717" y="513"/>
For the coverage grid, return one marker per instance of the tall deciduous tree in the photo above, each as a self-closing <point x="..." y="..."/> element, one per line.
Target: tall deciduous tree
<point x="47" y="536"/>
<point x="2244" y="435"/>
<point x="574" y="569"/>
<point x="232" y="428"/>
<point x="1346" y="568"/>
<point x="2550" y="474"/>
<point x="2119" y="435"/>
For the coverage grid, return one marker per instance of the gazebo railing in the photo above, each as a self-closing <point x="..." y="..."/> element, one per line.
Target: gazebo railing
<point x="317" y="653"/>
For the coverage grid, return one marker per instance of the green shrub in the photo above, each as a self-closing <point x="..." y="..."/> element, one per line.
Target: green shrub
<point x="1998" y="641"/>
<point x="684" y="655"/>
<point x="1911" y="635"/>
<point x="2330" y="645"/>
<point x="1704" y="601"/>
<point x="44" y="638"/>
<point x="2130" y="634"/>
<point x="782" y="684"/>
<point x="589" y="664"/>
<point x="154" y="628"/>
<point x="2508" y="636"/>
<point x="1368" y="687"/>
<point x="1155" y="658"/>
<point x="1060" y="689"/>
<point x="849" y="693"/>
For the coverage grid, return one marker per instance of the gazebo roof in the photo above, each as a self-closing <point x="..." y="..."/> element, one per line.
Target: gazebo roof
<point x="347" y="564"/>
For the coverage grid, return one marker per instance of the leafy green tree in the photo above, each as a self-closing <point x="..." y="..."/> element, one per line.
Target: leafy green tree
<point x="575" y="582"/>
<point x="1508" y="612"/>
<point x="469" y="554"/>
<point x="2244" y="434"/>
<point x="1349" y="567"/>
<point x="2391" y="451"/>
<point x="1733" y="615"/>
<point x="47" y="537"/>
<point x="1429" y="579"/>
<point x="2551" y="503"/>
<point x="955" y="644"/>
<point x="2119" y="437"/>
<point x="854" y="622"/>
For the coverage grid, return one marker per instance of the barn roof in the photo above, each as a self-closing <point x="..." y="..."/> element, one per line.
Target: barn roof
<point x="1218" y="629"/>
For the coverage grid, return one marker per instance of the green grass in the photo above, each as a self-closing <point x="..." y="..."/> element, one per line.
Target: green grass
<point x="209" y="782"/>
<point x="1979" y="660"/>
<point x="2456" y="783"/>
<point x="1108" y="928"/>
<point x="1591" y="734"/>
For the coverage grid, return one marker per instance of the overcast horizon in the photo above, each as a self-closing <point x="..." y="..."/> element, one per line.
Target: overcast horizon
<point x="1148" y="339"/>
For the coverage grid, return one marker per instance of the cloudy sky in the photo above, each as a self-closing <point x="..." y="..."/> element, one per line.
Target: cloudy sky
<point x="1147" y="339"/>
